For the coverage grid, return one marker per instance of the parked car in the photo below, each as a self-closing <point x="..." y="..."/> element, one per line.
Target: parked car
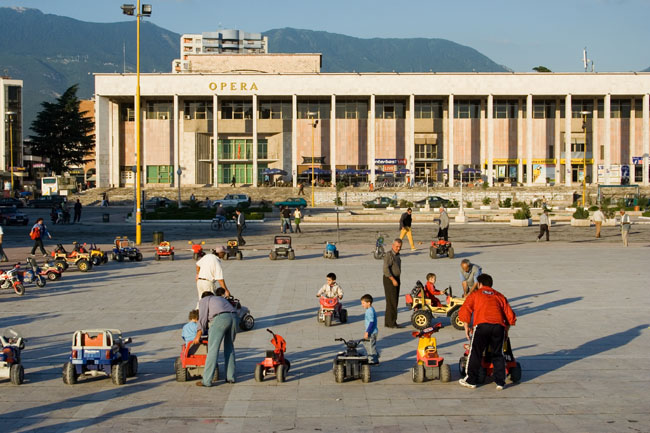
<point x="292" y="202"/>
<point x="156" y="202"/>
<point x="10" y="201"/>
<point x="10" y="215"/>
<point x="434" y="202"/>
<point x="380" y="202"/>
<point x="48" y="201"/>
<point x="234" y="200"/>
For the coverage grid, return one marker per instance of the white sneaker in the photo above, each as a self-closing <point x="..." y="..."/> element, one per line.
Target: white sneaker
<point x="500" y="387"/>
<point x="465" y="384"/>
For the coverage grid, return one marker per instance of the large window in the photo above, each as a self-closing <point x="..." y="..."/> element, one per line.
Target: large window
<point x="314" y="108"/>
<point x="426" y="151"/>
<point x="159" y="110"/>
<point x="160" y="174"/>
<point x="198" y="110"/>
<point x="390" y="109"/>
<point x="428" y="109"/>
<point x="241" y="148"/>
<point x="505" y="109"/>
<point x="467" y="109"/>
<point x="638" y="108"/>
<point x="621" y="108"/>
<point x="237" y="109"/>
<point x="582" y="105"/>
<point x="543" y="109"/>
<point x="274" y="109"/>
<point x="351" y="109"/>
<point x="127" y="112"/>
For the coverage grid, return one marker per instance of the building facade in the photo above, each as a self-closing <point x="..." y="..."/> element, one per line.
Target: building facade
<point x="11" y="124"/>
<point x="528" y="128"/>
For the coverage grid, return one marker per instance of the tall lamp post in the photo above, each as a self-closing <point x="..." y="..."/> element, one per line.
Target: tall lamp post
<point x="314" y="124"/>
<point x="584" y="157"/>
<point x="461" y="213"/>
<point x="10" y="116"/>
<point x="129" y="9"/>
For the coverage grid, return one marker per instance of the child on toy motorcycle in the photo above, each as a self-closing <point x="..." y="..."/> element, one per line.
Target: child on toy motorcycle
<point x="331" y="289"/>
<point x="430" y="290"/>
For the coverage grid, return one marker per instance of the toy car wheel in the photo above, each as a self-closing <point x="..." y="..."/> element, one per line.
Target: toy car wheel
<point x="240" y="255"/>
<point x="287" y="365"/>
<point x="450" y="253"/>
<point x="515" y="373"/>
<point x="69" y="374"/>
<point x="421" y="319"/>
<point x="378" y="253"/>
<point x="455" y="321"/>
<point x="259" y="373"/>
<point x="119" y="257"/>
<point x="105" y="259"/>
<point x="433" y="253"/>
<point x="96" y="261"/>
<point x="156" y="256"/>
<point x="172" y="256"/>
<point x="19" y="289"/>
<point x="336" y="254"/>
<point x="280" y="373"/>
<point x="339" y="373"/>
<point x="273" y="255"/>
<point x="344" y="315"/>
<point x="291" y="255"/>
<point x="131" y="259"/>
<point x="61" y="265"/>
<point x="328" y="320"/>
<point x="40" y="281"/>
<point x="132" y="366"/>
<point x="445" y="373"/>
<point x="181" y="373"/>
<point x="84" y="265"/>
<point x="365" y="373"/>
<point x="113" y="257"/>
<point x="462" y="365"/>
<point x="325" y="255"/>
<point x="195" y="256"/>
<point x="17" y="374"/>
<point x="118" y="373"/>
<point x="138" y="257"/>
<point x="417" y="373"/>
<point x="53" y="276"/>
<point x="247" y="322"/>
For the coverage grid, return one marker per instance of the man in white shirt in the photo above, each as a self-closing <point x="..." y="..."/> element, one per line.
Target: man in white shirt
<point x="3" y="256"/>
<point x="598" y="218"/>
<point x="625" y="227"/>
<point x="209" y="271"/>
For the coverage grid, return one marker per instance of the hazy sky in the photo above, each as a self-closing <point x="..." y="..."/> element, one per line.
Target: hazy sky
<point x="519" y="34"/>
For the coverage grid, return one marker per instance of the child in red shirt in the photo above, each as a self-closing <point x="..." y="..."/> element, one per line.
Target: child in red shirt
<point x="430" y="290"/>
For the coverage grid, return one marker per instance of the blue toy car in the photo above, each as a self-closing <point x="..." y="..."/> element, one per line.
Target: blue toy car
<point x="123" y="248"/>
<point x="100" y="351"/>
<point x="330" y="251"/>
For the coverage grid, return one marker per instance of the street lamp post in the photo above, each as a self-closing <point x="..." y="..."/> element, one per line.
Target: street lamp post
<point x="314" y="124"/>
<point x="584" y="157"/>
<point x="129" y="9"/>
<point x="10" y="115"/>
<point x="461" y="213"/>
<point x="178" y="173"/>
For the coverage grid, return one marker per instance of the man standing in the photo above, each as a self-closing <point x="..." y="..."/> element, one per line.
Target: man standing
<point x="301" y="188"/>
<point x="3" y="256"/>
<point x="544" y="223"/>
<point x="286" y="219"/>
<point x="241" y="225"/>
<point x="598" y="218"/>
<point x="468" y="276"/>
<point x="217" y="318"/>
<point x="625" y="226"/>
<point x="443" y="232"/>
<point x="77" y="212"/>
<point x="209" y="271"/>
<point x="405" y="227"/>
<point x="492" y="316"/>
<point x="391" y="273"/>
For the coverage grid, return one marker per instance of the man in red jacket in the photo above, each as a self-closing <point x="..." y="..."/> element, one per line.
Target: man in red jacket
<point x="492" y="317"/>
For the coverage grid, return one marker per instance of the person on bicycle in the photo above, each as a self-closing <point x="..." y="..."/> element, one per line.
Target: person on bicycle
<point x="221" y="214"/>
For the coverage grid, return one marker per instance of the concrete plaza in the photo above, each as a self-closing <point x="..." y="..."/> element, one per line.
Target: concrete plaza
<point x="581" y="337"/>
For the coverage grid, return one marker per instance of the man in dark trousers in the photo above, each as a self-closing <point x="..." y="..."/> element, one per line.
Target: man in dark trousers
<point x="443" y="231"/>
<point x="241" y="225"/>
<point x="544" y="223"/>
<point x="301" y="189"/>
<point x="492" y="316"/>
<point x="391" y="278"/>
<point x="232" y="182"/>
<point x="77" y="212"/>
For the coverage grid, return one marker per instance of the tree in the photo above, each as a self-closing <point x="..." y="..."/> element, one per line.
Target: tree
<point x="541" y="69"/>
<point x="62" y="133"/>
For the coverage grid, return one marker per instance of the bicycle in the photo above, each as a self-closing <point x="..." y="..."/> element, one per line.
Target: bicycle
<point x="221" y="224"/>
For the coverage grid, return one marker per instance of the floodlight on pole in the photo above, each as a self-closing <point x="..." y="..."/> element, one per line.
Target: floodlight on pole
<point x="11" y="115"/>
<point x="584" y="156"/>
<point x="314" y="124"/>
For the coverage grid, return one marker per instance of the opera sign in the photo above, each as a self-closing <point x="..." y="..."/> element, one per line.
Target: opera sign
<point x="232" y="86"/>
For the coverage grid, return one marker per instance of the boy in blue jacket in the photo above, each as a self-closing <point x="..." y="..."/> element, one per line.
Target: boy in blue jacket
<point x="371" y="330"/>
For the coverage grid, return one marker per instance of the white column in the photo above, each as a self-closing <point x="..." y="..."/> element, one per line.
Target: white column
<point x="294" y="140"/>
<point x="411" y="137"/>
<point x="567" y="140"/>
<point x="520" y="141"/>
<point x="177" y="154"/>
<point x="102" y="147"/>
<point x="632" y="141"/>
<point x="490" y="139"/>
<point x="371" y="139"/>
<point x="608" y="136"/>
<point x="482" y="136"/>
<point x="646" y="137"/>
<point x="595" y="147"/>
<point x="215" y="140"/>
<point x="255" y="140"/>
<point x="557" y="144"/>
<point x="529" y="140"/>
<point x="450" y="140"/>
<point x="114" y="144"/>
<point x="333" y="140"/>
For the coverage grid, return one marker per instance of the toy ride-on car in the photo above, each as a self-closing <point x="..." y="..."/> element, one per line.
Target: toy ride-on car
<point x="282" y="248"/>
<point x="513" y="368"/>
<point x="425" y="309"/>
<point x="10" y="366"/>
<point x="331" y="252"/>
<point x="379" y="252"/>
<point x="50" y="271"/>
<point x="79" y="257"/>
<point x="274" y="362"/>
<point x="441" y="247"/>
<point x="191" y="363"/>
<point x="123" y="248"/>
<point x="13" y="279"/>
<point x="329" y="308"/>
<point x="429" y="364"/>
<point x="164" y="249"/>
<point x="197" y="249"/>
<point x="100" y="352"/>
<point x="97" y="256"/>
<point x="351" y="364"/>
<point x="245" y="319"/>
<point x="232" y="250"/>
<point x="33" y="274"/>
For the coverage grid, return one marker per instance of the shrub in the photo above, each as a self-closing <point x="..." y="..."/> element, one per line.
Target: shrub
<point x="537" y="203"/>
<point x="523" y="213"/>
<point x="452" y="204"/>
<point x="484" y="185"/>
<point x="506" y="202"/>
<point x="468" y="204"/>
<point x="520" y="204"/>
<point x="581" y="214"/>
<point x="646" y="214"/>
<point x="593" y="208"/>
<point x="609" y="212"/>
<point x="405" y="203"/>
<point x="338" y="201"/>
<point x="487" y="201"/>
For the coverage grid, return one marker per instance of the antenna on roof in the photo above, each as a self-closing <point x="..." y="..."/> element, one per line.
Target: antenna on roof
<point x="586" y="61"/>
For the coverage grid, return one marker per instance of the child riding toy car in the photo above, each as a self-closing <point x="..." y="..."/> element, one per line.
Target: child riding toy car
<point x="282" y="248"/>
<point x="379" y="252"/>
<point x="191" y="363"/>
<point x="164" y="249"/>
<point x="10" y="367"/>
<point x="331" y="252"/>
<point x="513" y="368"/>
<point x="197" y="249"/>
<point x="232" y="250"/>
<point x="100" y="351"/>
<point x="351" y="364"/>
<point x="424" y="310"/>
<point x="78" y="257"/>
<point x="330" y="308"/>
<point x="124" y="248"/>
<point x="429" y="364"/>
<point x="274" y="362"/>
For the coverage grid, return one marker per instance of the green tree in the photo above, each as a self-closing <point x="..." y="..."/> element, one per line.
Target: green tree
<point x="62" y="133"/>
<point x="541" y="69"/>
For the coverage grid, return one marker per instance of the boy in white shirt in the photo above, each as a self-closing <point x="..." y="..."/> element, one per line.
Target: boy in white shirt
<point x="331" y="289"/>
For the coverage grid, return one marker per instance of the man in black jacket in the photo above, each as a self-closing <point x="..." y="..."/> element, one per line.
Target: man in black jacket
<point x="405" y="227"/>
<point x="241" y="225"/>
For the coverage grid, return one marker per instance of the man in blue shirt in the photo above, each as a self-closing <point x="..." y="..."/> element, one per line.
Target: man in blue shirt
<point x="371" y="330"/>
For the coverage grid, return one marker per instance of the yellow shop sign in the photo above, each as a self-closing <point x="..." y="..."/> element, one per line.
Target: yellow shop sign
<point x="578" y="161"/>
<point x="504" y="161"/>
<point x="233" y="86"/>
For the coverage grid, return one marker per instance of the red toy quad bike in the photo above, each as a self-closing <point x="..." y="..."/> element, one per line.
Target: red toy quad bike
<point x="513" y="368"/>
<point x="275" y="362"/>
<point x="191" y="363"/>
<point x="165" y="249"/>
<point x="441" y="247"/>
<point x="197" y="249"/>
<point x="429" y="365"/>
<point x="329" y="308"/>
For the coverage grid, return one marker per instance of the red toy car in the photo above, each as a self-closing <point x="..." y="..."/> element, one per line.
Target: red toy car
<point x="429" y="364"/>
<point x="441" y="247"/>
<point x="275" y="362"/>
<point x="513" y="368"/>
<point x="191" y="363"/>
<point x="197" y="249"/>
<point x="329" y="308"/>
<point x="165" y="249"/>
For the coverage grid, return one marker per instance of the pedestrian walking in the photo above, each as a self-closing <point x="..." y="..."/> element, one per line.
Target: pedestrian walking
<point x="392" y="271"/>
<point x="241" y="225"/>
<point x="405" y="227"/>
<point x="77" y="212"/>
<point x="297" y="216"/>
<point x="233" y="180"/>
<point x="598" y="218"/>
<point x="209" y="272"/>
<point x="492" y="317"/>
<point x="625" y="227"/>
<point x="544" y="224"/>
<point x="286" y="219"/>
<point x="3" y="256"/>
<point x="301" y="188"/>
<point x="443" y="231"/>
<point x="469" y="273"/>
<point x="217" y="318"/>
<point x="36" y="234"/>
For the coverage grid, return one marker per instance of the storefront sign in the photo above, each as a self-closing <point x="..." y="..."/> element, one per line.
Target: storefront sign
<point x="497" y="161"/>
<point x="390" y="161"/>
<point x="637" y="160"/>
<point x="578" y="161"/>
<point x="232" y="86"/>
